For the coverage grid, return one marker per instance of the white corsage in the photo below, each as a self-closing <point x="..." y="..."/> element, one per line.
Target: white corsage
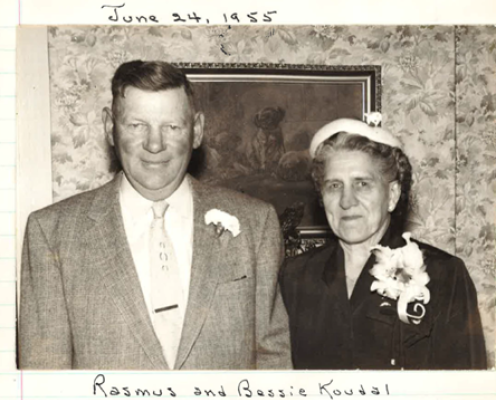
<point x="400" y="275"/>
<point x="222" y="222"/>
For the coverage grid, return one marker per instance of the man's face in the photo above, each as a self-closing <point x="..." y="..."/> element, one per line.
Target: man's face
<point x="154" y="134"/>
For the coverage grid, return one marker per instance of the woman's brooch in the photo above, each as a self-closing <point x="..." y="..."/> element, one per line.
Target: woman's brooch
<point x="401" y="275"/>
<point x="222" y="222"/>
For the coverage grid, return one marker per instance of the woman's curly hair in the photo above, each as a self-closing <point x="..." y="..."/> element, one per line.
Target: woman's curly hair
<point x="393" y="164"/>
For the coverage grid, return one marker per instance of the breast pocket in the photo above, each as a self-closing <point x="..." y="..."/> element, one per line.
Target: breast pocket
<point x="236" y="286"/>
<point x="231" y="318"/>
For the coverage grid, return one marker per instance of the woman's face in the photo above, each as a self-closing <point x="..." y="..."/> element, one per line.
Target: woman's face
<point x="357" y="197"/>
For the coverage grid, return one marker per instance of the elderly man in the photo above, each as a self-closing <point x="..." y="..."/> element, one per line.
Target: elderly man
<point x="153" y="270"/>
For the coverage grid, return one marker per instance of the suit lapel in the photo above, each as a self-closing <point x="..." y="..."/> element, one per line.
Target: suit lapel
<point x="363" y="301"/>
<point x="204" y="271"/>
<point x="334" y="278"/>
<point x="108" y="248"/>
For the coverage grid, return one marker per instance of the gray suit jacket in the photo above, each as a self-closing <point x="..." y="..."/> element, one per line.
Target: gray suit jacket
<point x="82" y="305"/>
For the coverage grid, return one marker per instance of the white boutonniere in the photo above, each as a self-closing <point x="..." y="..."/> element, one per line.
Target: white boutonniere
<point x="400" y="275"/>
<point x="222" y="222"/>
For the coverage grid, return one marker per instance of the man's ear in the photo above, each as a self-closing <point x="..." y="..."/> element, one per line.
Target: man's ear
<point x="198" y="123"/>
<point x="394" y="195"/>
<point x="108" y="125"/>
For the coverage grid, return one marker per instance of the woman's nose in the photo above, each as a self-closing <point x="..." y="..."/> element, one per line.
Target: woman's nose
<point x="348" y="198"/>
<point x="154" y="142"/>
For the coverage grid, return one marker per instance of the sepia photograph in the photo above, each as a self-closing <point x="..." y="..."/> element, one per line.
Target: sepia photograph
<point x="257" y="197"/>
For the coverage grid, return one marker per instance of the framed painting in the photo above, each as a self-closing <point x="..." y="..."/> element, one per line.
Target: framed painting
<point x="259" y="121"/>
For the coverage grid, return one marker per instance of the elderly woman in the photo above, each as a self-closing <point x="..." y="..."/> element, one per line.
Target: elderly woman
<point x="372" y="298"/>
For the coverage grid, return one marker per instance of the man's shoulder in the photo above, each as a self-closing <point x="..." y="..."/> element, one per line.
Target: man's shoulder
<point x="70" y="205"/>
<point x="230" y="200"/>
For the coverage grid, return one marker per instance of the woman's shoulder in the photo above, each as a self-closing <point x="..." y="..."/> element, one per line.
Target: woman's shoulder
<point x="299" y="273"/>
<point x="308" y="259"/>
<point x="436" y="254"/>
<point x="440" y="264"/>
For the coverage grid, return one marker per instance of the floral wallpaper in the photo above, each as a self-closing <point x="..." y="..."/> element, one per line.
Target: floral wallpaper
<point x="445" y="119"/>
<point x="476" y="165"/>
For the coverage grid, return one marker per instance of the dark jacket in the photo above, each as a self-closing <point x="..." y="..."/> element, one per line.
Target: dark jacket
<point x="330" y="331"/>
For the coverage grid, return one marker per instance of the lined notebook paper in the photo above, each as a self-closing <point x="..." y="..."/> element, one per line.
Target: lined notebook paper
<point x="8" y="21"/>
<point x="10" y="382"/>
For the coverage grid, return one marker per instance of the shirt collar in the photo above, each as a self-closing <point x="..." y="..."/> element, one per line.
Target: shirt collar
<point x="180" y="202"/>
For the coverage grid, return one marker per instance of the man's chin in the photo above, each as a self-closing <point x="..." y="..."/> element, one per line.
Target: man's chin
<point x="156" y="190"/>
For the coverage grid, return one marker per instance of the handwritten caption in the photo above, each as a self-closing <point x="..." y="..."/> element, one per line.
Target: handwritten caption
<point x="244" y="389"/>
<point x="116" y="13"/>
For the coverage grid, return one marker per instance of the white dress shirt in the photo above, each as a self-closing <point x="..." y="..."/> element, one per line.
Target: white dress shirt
<point x="138" y="215"/>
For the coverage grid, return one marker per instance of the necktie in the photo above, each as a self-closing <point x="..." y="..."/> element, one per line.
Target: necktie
<point x="167" y="299"/>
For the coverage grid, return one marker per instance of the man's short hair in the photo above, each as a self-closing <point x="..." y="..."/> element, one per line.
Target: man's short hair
<point x="148" y="75"/>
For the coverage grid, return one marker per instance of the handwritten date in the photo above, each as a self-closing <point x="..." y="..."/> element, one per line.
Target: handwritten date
<point x="117" y="15"/>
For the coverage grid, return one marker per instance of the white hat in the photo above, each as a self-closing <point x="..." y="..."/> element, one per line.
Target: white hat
<point x="356" y="127"/>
